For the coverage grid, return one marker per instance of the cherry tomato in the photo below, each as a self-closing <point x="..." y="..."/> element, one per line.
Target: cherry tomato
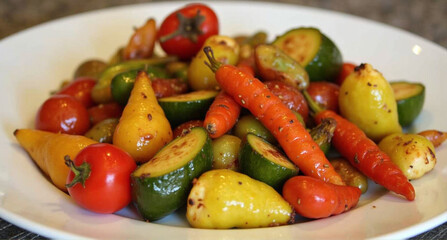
<point x="290" y="96"/>
<point x="102" y="181"/>
<point x="104" y="111"/>
<point x="63" y="113"/>
<point x="346" y="69"/>
<point x="325" y="94"/>
<point x="81" y="89"/>
<point x="184" y="31"/>
<point x="168" y="87"/>
<point x="185" y="127"/>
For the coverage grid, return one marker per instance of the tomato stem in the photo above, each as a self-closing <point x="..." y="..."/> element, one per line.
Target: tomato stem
<point x="188" y="27"/>
<point x="213" y="64"/>
<point x="82" y="172"/>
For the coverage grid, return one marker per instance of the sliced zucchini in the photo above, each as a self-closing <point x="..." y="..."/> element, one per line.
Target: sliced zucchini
<point x="162" y="185"/>
<point x="262" y="161"/>
<point x="410" y="100"/>
<point x="314" y="51"/>
<point x="185" y="107"/>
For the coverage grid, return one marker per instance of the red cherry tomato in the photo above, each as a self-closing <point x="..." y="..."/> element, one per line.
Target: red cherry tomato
<point x="64" y="114"/>
<point x="103" y="111"/>
<point x="346" y="69"/>
<point x="184" y="31"/>
<point x="106" y="170"/>
<point x="290" y="96"/>
<point x="81" y="89"/>
<point x="186" y="127"/>
<point x="325" y="94"/>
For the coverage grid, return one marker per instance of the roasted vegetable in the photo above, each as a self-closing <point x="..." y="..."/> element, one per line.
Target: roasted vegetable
<point x="410" y="100"/>
<point x="49" y="149"/>
<point x="273" y="64"/>
<point x="314" y="51"/>
<point x="143" y="128"/>
<point x="350" y="174"/>
<point x="226" y="50"/>
<point x="226" y="199"/>
<point x="412" y="153"/>
<point x="367" y="100"/>
<point x="264" y="162"/>
<point x="226" y="152"/>
<point x="103" y="131"/>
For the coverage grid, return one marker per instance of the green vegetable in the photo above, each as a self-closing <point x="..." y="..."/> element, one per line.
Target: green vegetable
<point x="249" y="124"/>
<point x="103" y="131"/>
<point x="122" y="83"/>
<point x="410" y="100"/>
<point x="161" y="185"/>
<point x="350" y="175"/>
<point x="273" y="64"/>
<point x="314" y="51"/>
<point x="262" y="161"/>
<point x="101" y="92"/>
<point x="185" y="107"/>
<point x="226" y="152"/>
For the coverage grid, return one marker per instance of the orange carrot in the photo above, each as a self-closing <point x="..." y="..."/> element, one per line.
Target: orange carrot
<point x="222" y="115"/>
<point x="313" y="198"/>
<point x="365" y="155"/>
<point x="297" y="143"/>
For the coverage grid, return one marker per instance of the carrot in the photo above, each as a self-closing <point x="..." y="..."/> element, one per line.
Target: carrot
<point x="314" y="198"/>
<point x="297" y="143"/>
<point x="222" y="115"/>
<point x="434" y="136"/>
<point x="352" y="143"/>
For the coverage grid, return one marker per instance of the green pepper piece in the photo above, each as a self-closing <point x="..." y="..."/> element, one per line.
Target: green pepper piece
<point x="101" y="92"/>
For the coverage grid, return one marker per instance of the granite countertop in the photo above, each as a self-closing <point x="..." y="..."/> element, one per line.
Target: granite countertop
<point x="427" y="19"/>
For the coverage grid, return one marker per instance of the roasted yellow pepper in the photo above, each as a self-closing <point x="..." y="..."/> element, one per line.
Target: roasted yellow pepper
<point x="367" y="100"/>
<point x="48" y="150"/>
<point x="143" y="128"/>
<point x="226" y="199"/>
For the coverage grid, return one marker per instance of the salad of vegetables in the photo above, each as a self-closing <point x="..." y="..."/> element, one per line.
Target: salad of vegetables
<point x="243" y="131"/>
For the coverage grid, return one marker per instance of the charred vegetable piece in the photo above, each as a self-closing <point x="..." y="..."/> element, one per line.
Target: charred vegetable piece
<point x="350" y="175"/>
<point x="434" y="136"/>
<point x="323" y="132"/>
<point x="273" y="64"/>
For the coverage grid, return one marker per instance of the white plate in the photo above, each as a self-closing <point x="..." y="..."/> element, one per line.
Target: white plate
<point x="34" y="62"/>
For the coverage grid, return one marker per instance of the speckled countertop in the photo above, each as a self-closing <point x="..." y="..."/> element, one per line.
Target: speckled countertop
<point x="426" y="18"/>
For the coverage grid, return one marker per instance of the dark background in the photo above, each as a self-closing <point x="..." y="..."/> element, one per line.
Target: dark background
<point x="426" y="18"/>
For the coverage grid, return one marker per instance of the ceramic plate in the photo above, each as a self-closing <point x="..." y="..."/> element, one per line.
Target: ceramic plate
<point x="35" y="61"/>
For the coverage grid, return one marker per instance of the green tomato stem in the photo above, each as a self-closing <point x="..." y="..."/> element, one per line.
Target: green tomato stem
<point x="82" y="172"/>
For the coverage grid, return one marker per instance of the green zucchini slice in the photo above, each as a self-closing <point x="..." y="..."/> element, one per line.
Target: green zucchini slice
<point x="185" y="107"/>
<point x="162" y="185"/>
<point x="410" y="100"/>
<point x="262" y="161"/>
<point x="314" y="51"/>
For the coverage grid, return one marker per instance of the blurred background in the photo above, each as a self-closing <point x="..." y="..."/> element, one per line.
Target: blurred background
<point x="427" y="19"/>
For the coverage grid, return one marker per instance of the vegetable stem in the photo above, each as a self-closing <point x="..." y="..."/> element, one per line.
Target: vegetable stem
<point x="82" y="172"/>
